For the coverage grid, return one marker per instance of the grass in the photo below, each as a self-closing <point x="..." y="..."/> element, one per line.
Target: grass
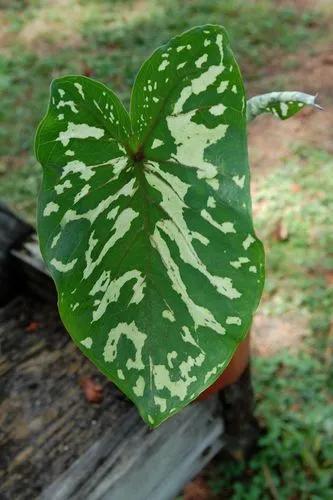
<point x="108" y="41"/>
<point x="294" y="389"/>
<point x="298" y="196"/>
<point x="295" y="457"/>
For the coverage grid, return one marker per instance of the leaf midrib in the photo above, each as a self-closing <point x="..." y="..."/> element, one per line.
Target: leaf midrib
<point x="164" y="102"/>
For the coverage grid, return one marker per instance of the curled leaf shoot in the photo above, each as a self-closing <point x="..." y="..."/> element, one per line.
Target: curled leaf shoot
<point x="283" y="105"/>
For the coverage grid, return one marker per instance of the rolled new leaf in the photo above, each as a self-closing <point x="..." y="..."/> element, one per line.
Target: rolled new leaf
<point x="145" y="221"/>
<point x="283" y="105"/>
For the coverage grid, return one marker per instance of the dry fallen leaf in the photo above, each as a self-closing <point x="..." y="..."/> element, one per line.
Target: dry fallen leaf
<point x="280" y="232"/>
<point x="93" y="391"/>
<point x="328" y="59"/>
<point x="32" y="326"/>
<point x="87" y="71"/>
<point x="295" y="188"/>
<point x="329" y="277"/>
<point x="197" y="489"/>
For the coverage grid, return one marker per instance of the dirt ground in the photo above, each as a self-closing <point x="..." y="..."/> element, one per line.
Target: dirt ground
<point x="271" y="143"/>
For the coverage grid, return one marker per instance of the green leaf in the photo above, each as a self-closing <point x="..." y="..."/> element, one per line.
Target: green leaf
<point x="283" y="105"/>
<point x="145" y="222"/>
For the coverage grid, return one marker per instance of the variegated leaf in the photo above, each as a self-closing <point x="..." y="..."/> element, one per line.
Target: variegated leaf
<point x="145" y="222"/>
<point x="283" y="105"/>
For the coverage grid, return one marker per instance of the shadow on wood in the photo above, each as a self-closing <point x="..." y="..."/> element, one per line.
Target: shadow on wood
<point x="54" y="443"/>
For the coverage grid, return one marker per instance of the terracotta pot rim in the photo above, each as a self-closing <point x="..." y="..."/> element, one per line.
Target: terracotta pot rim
<point x="233" y="371"/>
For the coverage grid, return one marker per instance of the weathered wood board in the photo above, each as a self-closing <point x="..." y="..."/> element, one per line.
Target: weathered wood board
<point x="141" y="464"/>
<point x="45" y="421"/>
<point x="56" y="445"/>
<point x="13" y="231"/>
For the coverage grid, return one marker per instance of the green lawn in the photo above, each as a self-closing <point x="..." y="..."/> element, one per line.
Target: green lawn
<point x="108" y="40"/>
<point x="294" y="389"/>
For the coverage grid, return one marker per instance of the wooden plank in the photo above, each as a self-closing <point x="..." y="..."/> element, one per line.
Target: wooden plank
<point x="13" y="231"/>
<point x="45" y="421"/>
<point x="21" y="264"/>
<point x="141" y="464"/>
<point x="119" y="457"/>
<point x="33" y="272"/>
<point x="55" y="444"/>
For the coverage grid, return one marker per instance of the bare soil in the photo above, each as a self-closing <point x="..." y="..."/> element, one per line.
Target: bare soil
<point x="271" y="141"/>
<point x="270" y="335"/>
